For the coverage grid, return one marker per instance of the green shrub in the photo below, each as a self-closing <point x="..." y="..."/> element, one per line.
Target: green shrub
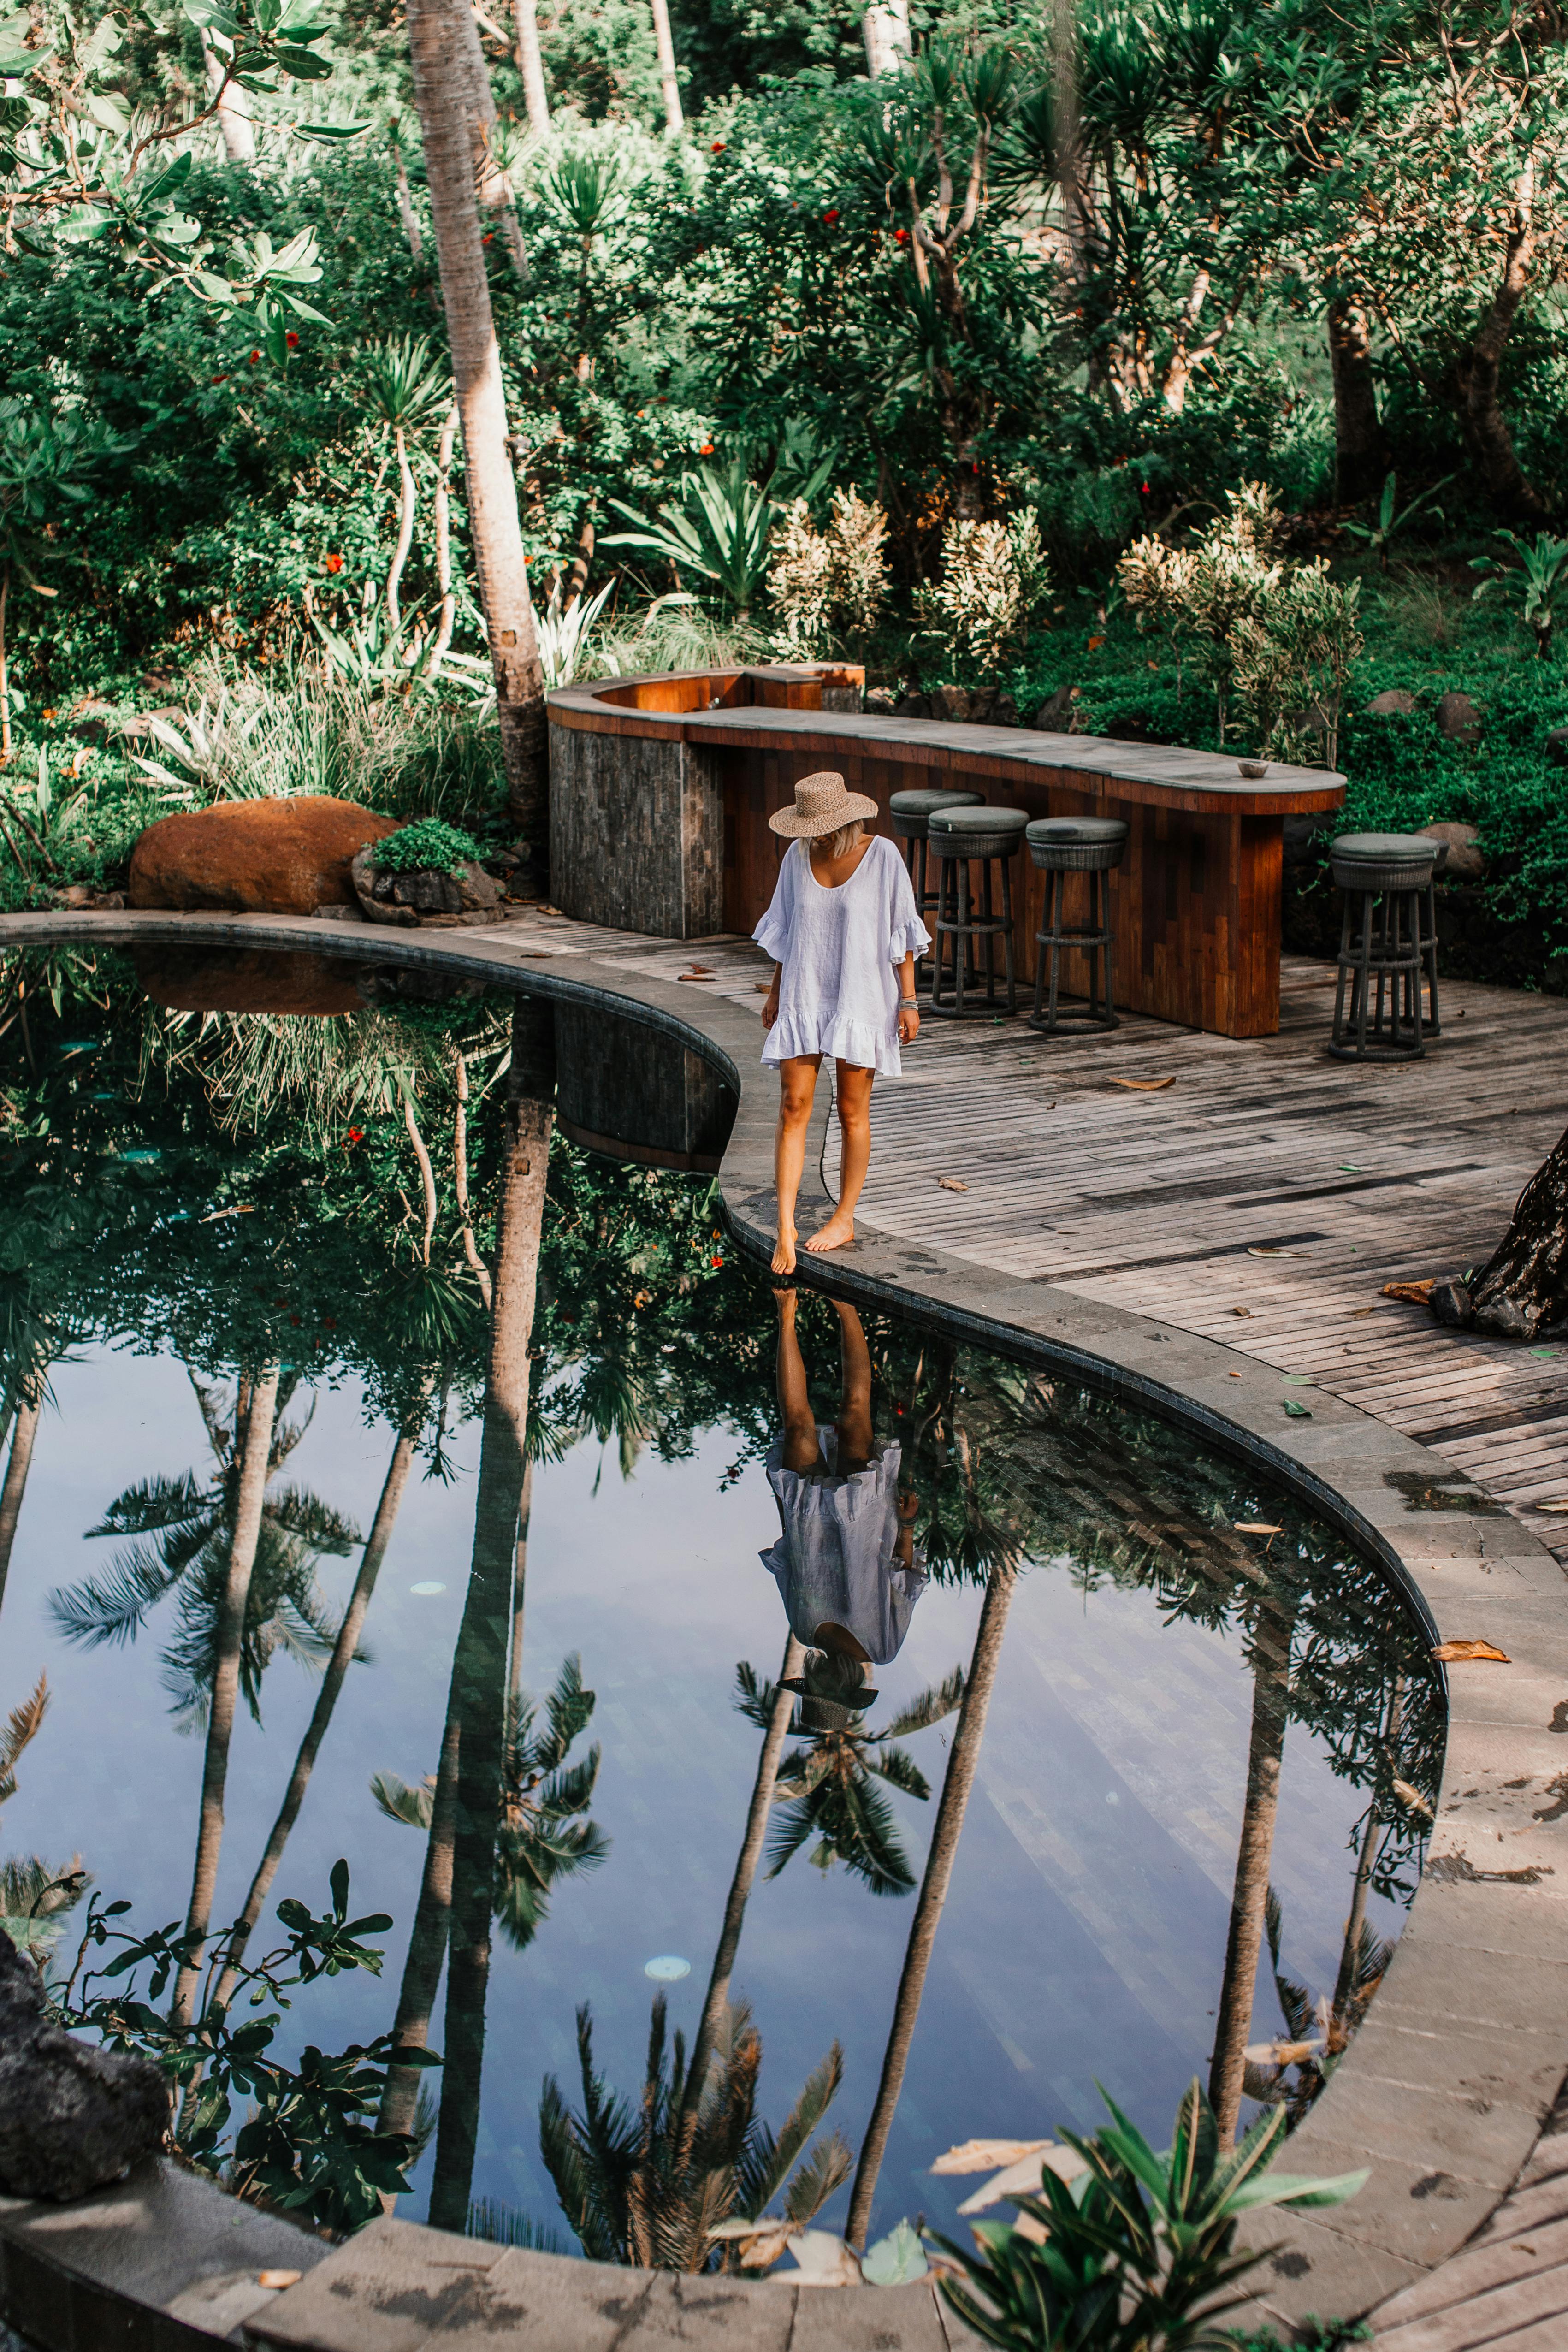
<point x="426" y="842"/>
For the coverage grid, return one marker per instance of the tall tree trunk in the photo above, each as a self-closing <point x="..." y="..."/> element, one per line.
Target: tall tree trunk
<point x="664" y="42"/>
<point x="443" y="506"/>
<point x="426" y="1942"/>
<point x="480" y="1670"/>
<point x="332" y="1681"/>
<point x="24" y="1429"/>
<point x="1477" y="367"/>
<point x="1523" y="1286"/>
<point x="254" y="1469"/>
<point x="436" y="31"/>
<point x="520" y="1595"/>
<point x="886" y="30"/>
<point x="530" y="65"/>
<point x="1249" y="1897"/>
<point x="963" y="1759"/>
<point x="740" y="1886"/>
<point x="1360" y="448"/>
<point x="1350" y="1950"/>
<point x="235" y="117"/>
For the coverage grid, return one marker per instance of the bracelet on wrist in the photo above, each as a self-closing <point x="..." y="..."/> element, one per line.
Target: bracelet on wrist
<point x="908" y="1004"/>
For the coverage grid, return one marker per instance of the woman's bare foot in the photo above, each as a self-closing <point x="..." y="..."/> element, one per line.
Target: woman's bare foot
<point x="784" y="1251"/>
<point x="839" y="1231"/>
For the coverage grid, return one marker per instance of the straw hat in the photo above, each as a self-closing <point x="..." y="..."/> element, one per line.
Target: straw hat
<point x="821" y="806"/>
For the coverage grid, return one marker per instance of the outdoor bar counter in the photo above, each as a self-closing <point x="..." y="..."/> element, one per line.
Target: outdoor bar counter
<point x="660" y="789"/>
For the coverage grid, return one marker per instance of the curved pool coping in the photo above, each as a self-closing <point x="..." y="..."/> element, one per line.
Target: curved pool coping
<point x="1444" y="2090"/>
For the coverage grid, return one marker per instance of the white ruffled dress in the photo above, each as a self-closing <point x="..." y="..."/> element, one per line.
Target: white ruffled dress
<point x="839" y="951"/>
<point x="837" y="1560"/>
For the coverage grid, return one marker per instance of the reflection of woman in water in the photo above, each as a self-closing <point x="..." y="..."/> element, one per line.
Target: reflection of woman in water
<point x="846" y="1562"/>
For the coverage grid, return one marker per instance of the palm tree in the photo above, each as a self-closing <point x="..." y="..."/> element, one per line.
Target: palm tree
<point x="457" y="1887"/>
<point x="541" y="1835"/>
<point x="827" y="1792"/>
<point x="405" y="387"/>
<point x="32" y="1892"/>
<point x="344" y="1649"/>
<point x="651" y="2186"/>
<point x="963" y="1762"/>
<point x="775" y="1726"/>
<point x="212" y="1541"/>
<point x="439" y="33"/>
<point x="24" y="1429"/>
<point x="1272" y="1637"/>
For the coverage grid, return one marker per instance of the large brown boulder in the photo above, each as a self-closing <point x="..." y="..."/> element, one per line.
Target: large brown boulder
<point x="255" y="858"/>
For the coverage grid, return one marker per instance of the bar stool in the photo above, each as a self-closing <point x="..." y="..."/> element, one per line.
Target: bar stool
<point x="1388" y="936"/>
<point x="911" y="812"/>
<point x="987" y="835"/>
<point x="1061" y="846"/>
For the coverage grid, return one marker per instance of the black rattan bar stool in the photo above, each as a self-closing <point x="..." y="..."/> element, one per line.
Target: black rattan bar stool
<point x="911" y="815"/>
<point x="987" y="836"/>
<point x="1387" y="942"/>
<point x="1061" y="846"/>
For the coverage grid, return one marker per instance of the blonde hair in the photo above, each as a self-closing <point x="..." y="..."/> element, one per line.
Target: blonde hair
<point x="835" y="844"/>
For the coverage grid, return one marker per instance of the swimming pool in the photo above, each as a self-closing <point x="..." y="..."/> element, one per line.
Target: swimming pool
<point x="1163" y="1663"/>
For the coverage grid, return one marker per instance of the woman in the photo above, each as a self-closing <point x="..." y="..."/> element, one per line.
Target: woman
<point x="843" y="932"/>
<point x="846" y="1562"/>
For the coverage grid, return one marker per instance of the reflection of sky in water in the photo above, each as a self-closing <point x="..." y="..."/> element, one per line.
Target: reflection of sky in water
<point x="1084" y="1934"/>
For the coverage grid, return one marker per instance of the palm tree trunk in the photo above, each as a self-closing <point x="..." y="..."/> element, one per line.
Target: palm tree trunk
<point x="1250" y="1900"/>
<point x="254" y="1469"/>
<point x="530" y="65"/>
<point x="963" y="1760"/>
<point x="480" y="1666"/>
<point x="750" y="1854"/>
<point x="435" y="39"/>
<point x="442" y="503"/>
<point x="664" y="42"/>
<point x="24" y="1429"/>
<point x="885" y="31"/>
<point x="427" y="1943"/>
<point x="1350" y="1950"/>
<point x="519" y="1584"/>
<point x="404" y="532"/>
<point x="235" y="120"/>
<point x="332" y="1681"/>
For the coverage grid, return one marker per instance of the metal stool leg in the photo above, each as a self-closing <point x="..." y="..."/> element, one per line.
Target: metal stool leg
<point x="1007" y="936"/>
<point x="964" y="937"/>
<point x="1434" y="1024"/>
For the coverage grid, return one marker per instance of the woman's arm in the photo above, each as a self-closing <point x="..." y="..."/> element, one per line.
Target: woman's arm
<point x="908" y="1014"/>
<point x="770" y="1003"/>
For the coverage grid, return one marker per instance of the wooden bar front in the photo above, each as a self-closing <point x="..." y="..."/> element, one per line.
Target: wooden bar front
<point x="1196" y="899"/>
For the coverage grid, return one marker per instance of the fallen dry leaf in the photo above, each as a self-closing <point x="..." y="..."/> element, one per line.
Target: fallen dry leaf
<point x="1234" y="1376"/>
<point x="1417" y="1293"/>
<point x="1144" y="1085"/>
<point x="761" y="987"/>
<point x="1281" y="2053"/>
<point x="1267" y="1249"/>
<point x="1023" y="2178"/>
<point x="1357" y="1312"/>
<point x="1256" y="1527"/>
<point x="1461" y="1653"/>
<point x="985" y="2154"/>
<point x="1245" y="1312"/>
<point x="278" y="2278"/>
<point x="1412" y="1797"/>
<point x="1558" y="1503"/>
<point x="952" y="1184"/>
<point x="693" y="975"/>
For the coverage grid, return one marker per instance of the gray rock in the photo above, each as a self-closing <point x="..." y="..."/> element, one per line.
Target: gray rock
<point x="913" y="706"/>
<point x="72" y="2117"/>
<point x="1057" y="716"/>
<point x="427" y="896"/>
<point x="1451" y="1303"/>
<point x="1557" y="747"/>
<point x="880" y="701"/>
<point x="1464" y="862"/>
<point x="1393" y="702"/>
<point x="1460" y="720"/>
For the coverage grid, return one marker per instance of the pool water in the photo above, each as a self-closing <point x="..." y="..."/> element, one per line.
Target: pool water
<point x="1111" y="1649"/>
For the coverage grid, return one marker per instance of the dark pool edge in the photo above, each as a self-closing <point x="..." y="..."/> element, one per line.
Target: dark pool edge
<point x="1445" y="2089"/>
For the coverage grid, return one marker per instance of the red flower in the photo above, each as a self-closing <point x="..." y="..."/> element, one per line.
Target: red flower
<point x="254" y="357"/>
<point x="489" y="237"/>
<point x="717" y="147"/>
<point x="901" y="236"/>
<point x="52" y="714"/>
<point x="292" y="339"/>
<point x="220" y="378"/>
<point x="830" y="217"/>
<point x="356" y="1135"/>
<point x="334" y="563"/>
<point x="707" y="450"/>
<point x="718" y="1261"/>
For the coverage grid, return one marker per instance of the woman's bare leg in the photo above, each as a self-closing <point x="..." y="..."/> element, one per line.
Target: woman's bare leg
<point x="796" y="1090"/>
<point x="799" y="1448"/>
<point x="854" y="1392"/>
<point x="854" y="1127"/>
